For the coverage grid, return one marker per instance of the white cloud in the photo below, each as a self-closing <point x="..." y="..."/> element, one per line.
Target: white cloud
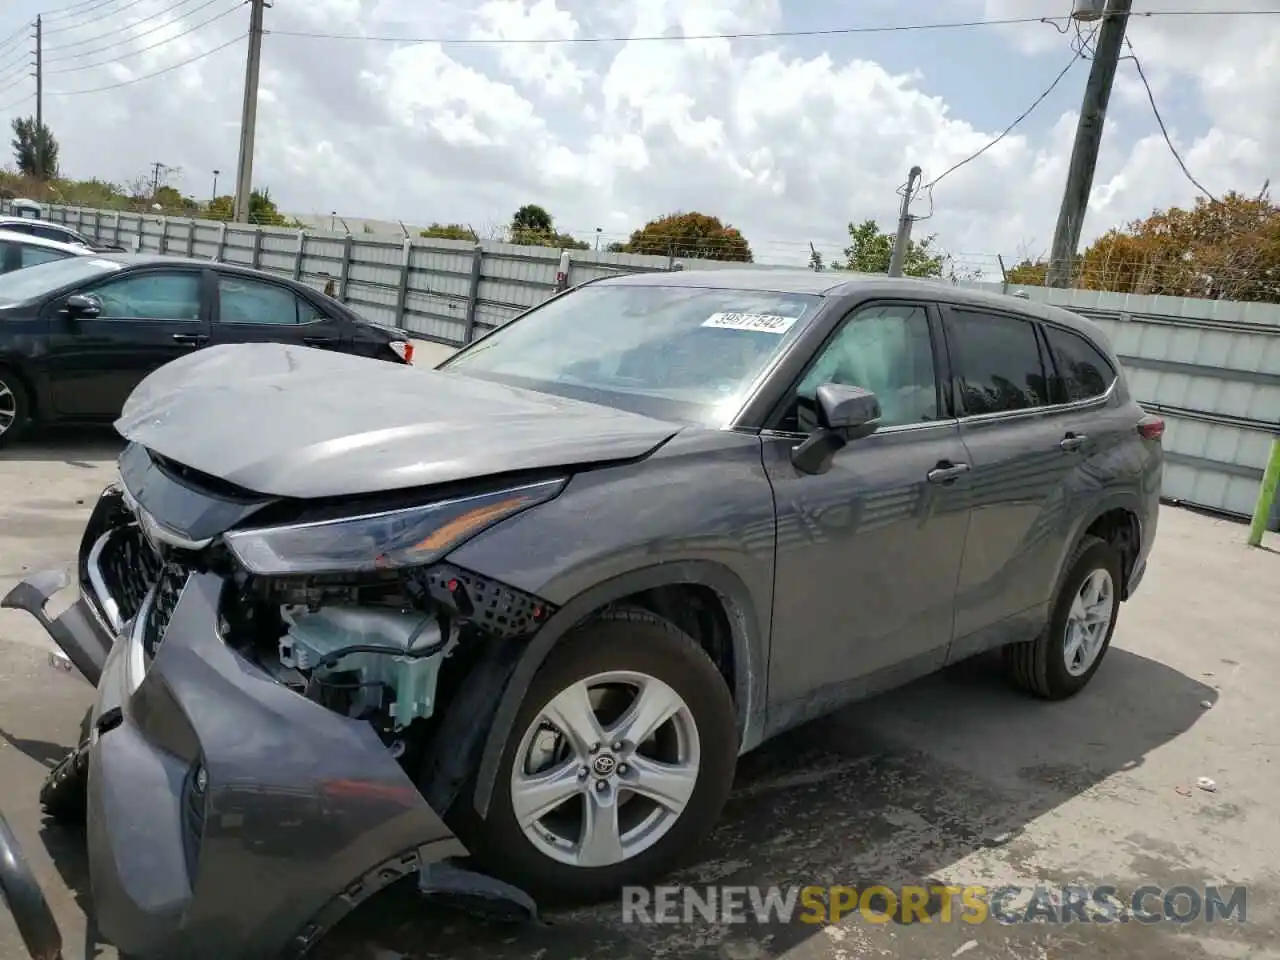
<point x="788" y="146"/>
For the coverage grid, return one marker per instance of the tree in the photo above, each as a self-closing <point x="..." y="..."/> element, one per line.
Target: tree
<point x="172" y="199"/>
<point x="695" y="235"/>
<point x="532" y="226"/>
<point x="449" y="231"/>
<point x="1227" y="249"/>
<point x="815" y="260"/>
<point x="531" y="219"/>
<point x="870" y="251"/>
<point x="35" y="149"/>
<point x="262" y="209"/>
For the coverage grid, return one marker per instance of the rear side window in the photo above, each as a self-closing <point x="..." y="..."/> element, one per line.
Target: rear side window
<point x="251" y="301"/>
<point x="53" y="233"/>
<point x="998" y="362"/>
<point x="30" y="256"/>
<point x="1082" y="370"/>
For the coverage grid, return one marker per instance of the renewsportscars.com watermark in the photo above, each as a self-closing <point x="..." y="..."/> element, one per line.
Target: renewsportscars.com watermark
<point x="932" y="904"/>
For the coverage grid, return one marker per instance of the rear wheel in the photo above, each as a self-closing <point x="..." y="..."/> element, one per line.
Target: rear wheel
<point x="1066" y="655"/>
<point x="15" y="407"/>
<point x="620" y="761"/>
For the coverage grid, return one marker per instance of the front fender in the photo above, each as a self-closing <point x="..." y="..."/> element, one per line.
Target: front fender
<point x="750" y="654"/>
<point x="700" y="511"/>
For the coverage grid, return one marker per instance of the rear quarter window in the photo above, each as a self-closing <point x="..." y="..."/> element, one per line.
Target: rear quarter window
<point x="1082" y="370"/>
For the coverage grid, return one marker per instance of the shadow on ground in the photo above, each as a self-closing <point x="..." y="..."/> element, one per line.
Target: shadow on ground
<point x="889" y="791"/>
<point x="74" y="446"/>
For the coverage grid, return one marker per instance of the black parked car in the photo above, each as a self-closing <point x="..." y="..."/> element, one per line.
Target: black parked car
<point x="77" y="335"/>
<point x="536" y="603"/>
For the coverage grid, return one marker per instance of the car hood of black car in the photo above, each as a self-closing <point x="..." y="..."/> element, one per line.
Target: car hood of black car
<point x="300" y="422"/>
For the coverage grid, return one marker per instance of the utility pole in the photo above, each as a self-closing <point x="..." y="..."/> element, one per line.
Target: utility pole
<point x="900" y="242"/>
<point x="157" y="169"/>
<point x="40" y="137"/>
<point x="249" y="113"/>
<point x="1084" y="153"/>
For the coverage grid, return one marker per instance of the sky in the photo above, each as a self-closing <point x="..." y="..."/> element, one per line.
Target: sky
<point x="787" y="138"/>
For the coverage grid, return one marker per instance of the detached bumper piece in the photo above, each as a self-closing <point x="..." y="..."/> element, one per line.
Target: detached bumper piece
<point x="22" y="894"/>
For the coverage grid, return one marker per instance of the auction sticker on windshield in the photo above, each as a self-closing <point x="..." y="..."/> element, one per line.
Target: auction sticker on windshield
<point x="756" y="322"/>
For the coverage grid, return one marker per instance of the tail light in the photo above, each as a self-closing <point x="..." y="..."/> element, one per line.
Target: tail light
<point x="403" y="349"/>
<point x="1151" y="427"/>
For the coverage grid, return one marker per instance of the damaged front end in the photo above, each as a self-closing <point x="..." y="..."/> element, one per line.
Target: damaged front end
<point x="285" y="690"/>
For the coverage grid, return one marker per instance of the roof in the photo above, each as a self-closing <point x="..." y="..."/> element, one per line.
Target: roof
<point x="5" y="218"/>
<point x="839" y="283"/>
<point x="31" y="240"/>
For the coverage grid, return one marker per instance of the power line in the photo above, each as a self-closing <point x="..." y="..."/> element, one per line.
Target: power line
<point x="1164" y="131"/>
<point x="758" y="35"/>
<point x="148" y="76"/>
<point x="1077" y="55"/>
<point x="150" y="46"/>
<point x="128" y="28"/>
<point x="17" y="103"/>
<point x="85" y="23"/>
<point x="85" y="6"/>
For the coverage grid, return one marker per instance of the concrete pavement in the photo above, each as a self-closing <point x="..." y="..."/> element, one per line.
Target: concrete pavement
<point x="954" y="780"/>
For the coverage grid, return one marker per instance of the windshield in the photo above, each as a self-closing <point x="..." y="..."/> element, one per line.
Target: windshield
<point x="30" y="283"/>
<point x="682" y="353"/>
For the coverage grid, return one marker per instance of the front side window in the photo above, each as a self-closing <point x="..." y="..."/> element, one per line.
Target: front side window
<point x="158" y="295"/>
<point x="29" y="256"/>
<point x="885" y="349"/>
<point x="1083" y="372"/>
<point x="22" y="286"/>
<point x="685" y="353"/>
<point x="242" y="300"/>
<point x="998" y="362"/>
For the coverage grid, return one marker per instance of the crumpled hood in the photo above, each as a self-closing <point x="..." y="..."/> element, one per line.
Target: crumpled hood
<point x="300" y="422"/>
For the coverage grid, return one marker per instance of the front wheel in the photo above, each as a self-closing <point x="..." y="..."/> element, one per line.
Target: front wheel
<point x="620" y="761"/>
<point x="1061" y="661"/>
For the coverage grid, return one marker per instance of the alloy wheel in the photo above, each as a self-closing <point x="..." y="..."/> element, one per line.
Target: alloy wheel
<point x="8" y="407"/>
<point x="606" y="769"/>
<point x="1089" y="621"/>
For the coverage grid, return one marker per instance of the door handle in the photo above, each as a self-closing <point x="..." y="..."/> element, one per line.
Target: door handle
<point x="319" y="341"/>
<point x="1072" y="441"/>
<point x="190" y="339"/>
<point x="947" y="472"/>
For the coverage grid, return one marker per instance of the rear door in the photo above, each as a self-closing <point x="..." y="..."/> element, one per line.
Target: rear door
<point x="1021" y="483"/>
<point x="257" y="310"/>
<point x="148" y="317"/>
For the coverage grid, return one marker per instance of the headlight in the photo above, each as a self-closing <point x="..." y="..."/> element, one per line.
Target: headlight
<point x="381" y="541"/>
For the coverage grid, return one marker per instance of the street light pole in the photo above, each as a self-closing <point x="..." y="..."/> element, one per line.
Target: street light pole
<point x="214" y="195"/>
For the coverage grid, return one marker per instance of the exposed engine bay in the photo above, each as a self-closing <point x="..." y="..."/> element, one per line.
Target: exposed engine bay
<point x="380" y="648"/>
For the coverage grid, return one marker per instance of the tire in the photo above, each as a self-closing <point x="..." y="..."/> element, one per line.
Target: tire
<point x="15" y="406"/>
<point x="622" y="642"/>
<point x="64" y="796"/>
<point x="1040" y="666"/>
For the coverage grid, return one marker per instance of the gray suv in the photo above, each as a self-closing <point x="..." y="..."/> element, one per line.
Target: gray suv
<point x="347" y="619"/>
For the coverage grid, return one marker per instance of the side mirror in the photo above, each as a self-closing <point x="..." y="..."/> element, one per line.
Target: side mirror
<point x="851" y="411"/>
<point x="844" y="413"/>
<point x="81" y="306"/>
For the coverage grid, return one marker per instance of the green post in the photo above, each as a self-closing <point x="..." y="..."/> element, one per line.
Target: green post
<point x="1266" y="495"/>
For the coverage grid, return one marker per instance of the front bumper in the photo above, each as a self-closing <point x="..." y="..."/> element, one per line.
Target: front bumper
<point x="227" y="815"/>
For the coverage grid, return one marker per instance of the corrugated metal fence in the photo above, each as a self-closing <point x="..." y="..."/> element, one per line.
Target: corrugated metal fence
<point x="449" y="291"/>
<point x="1210" y="368"/>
